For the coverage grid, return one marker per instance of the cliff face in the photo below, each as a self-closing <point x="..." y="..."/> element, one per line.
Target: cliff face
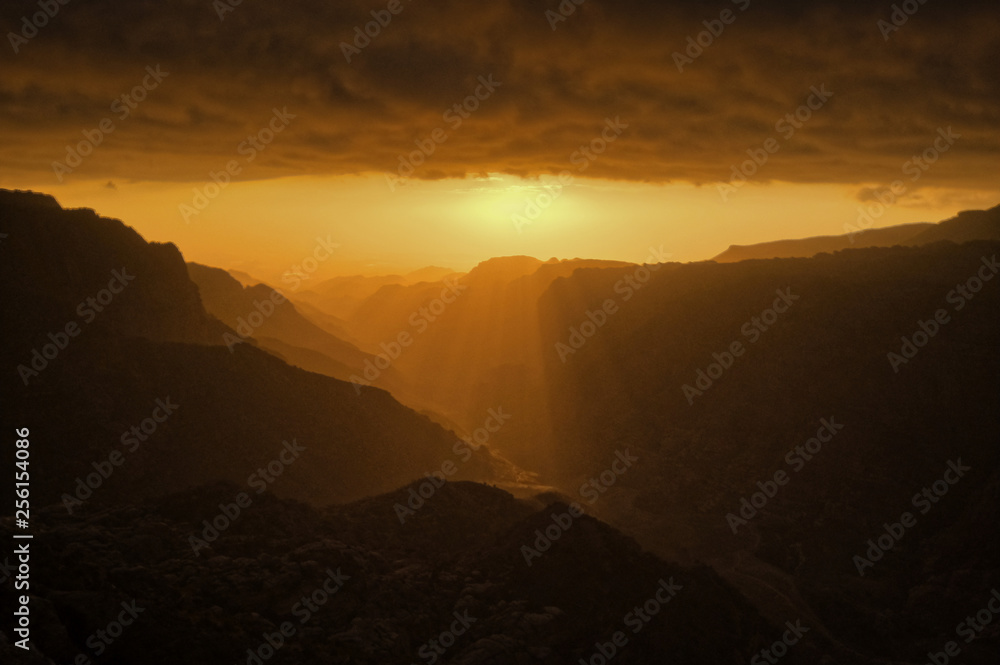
<point x="100" y="325"/>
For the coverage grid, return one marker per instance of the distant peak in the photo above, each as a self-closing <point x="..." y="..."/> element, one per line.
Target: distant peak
<point x="27" y="199"/>
<point x="508" y="263"/>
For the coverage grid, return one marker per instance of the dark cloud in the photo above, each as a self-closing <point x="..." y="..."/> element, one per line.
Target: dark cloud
<point x="606" y="60"/>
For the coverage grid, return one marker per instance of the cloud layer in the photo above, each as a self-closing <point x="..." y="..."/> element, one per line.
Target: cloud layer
<point x="892" y="91"/>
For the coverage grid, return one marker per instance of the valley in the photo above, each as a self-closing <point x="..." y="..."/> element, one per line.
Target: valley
<point x="766" y="470"/>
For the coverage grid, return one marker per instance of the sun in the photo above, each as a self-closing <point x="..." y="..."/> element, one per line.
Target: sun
<point x="513" y="204"/>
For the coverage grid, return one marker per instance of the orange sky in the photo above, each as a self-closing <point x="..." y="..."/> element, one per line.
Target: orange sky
<point x="265" y="227"/>
<point x="130" y="109"/>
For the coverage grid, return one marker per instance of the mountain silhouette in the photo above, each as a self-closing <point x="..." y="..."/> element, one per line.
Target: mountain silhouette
<point x="395" y="588"/>
<point x="968" y="225"/>
<point x="237" y="407"/>
<point x="285" y="332"/>
<point x="780" y="417"/>
<point x="826" y="357"/>
<point x="475" y="344"/>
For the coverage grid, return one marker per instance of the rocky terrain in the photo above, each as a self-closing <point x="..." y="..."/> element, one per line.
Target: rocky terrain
<point x="352" y="584"/>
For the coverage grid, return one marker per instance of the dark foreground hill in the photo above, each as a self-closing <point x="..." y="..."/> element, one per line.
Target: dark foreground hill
<point x="353" y="585"/>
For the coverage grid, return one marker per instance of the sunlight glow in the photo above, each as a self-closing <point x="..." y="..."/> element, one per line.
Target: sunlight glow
<point x="457" y="223"/>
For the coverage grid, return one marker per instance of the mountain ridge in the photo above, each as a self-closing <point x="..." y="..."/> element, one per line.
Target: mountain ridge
<point x="965" y="226"/>
<point x="106" y="365"/>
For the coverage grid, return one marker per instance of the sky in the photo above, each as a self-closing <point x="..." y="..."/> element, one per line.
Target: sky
<point x="453" y="132"/>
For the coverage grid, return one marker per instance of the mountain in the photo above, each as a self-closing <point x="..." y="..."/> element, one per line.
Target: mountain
<point x="154" y="410"/>
<point x="807" y="247"/>
<point x="108" y="331"/>
<point x="55" y="259"/>
<point x="341" y="296"/>
<point x="244" y="278"/>
<point x="351" y="584"/>
<point x="281" y="329"/>
<point x="292" y="336"/>
<point x="892" y="350"/>
<point x="328" y="322"/>
<point x="968" y="225"/>
<point x="429" y="274"/>
<point x="813" y="439"/>
<point x="475" y="345"/>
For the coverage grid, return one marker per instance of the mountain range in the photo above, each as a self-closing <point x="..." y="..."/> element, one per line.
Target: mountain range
<point x="742" y="434"/>
<point x="968" y="225"/>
